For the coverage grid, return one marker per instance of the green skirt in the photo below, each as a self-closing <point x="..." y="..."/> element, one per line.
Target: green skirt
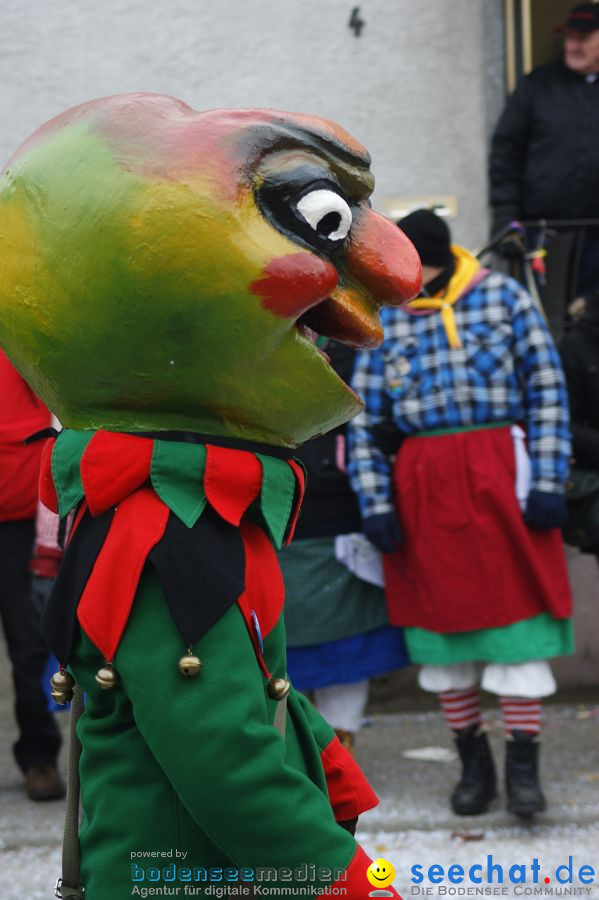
<point x="324" y="601"/>
<point x="538" y="638"/>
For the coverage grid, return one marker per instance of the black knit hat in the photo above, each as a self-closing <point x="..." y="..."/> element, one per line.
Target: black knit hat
<point x="430" y="235"/>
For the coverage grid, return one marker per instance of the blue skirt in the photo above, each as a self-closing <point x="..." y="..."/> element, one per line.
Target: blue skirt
<point x="347" y="660"/>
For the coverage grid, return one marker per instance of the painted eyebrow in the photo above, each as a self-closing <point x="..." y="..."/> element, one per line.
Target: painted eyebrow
<point x="292" y="135"/>
<point x="352" y="170"/>
<point x="301" y="174"/>
<point x="328" y="142"/>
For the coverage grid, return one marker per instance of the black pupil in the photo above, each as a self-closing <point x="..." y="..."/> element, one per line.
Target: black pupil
<point x="329" y="223"/>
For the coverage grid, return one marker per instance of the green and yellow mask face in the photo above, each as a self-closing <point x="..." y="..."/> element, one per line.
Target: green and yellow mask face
<point x="164" y="269"/>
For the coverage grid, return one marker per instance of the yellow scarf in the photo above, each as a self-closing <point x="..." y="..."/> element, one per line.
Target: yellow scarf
<point x="466" y="267"/>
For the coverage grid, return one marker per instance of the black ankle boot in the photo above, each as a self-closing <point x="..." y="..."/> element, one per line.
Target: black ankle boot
<point x="524" y="794"/>
<point x="476" y="788"/>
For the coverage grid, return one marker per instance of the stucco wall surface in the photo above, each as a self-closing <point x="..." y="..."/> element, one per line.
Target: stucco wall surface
<point x="411" y="87"/>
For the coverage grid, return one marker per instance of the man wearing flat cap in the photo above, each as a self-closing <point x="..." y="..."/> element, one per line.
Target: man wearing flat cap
<point x="544" y="152"/>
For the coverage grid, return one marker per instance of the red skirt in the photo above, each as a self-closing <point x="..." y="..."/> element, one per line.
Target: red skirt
<point x="468" y="560"/>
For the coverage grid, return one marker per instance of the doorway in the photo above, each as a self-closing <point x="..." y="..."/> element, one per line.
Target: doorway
<point x="530" y="38"/>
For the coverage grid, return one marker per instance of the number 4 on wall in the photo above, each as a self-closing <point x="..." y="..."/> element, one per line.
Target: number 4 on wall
<point x="355" y="22"/>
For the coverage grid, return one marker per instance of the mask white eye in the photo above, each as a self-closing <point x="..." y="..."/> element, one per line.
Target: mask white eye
<point x="327" y="213"/>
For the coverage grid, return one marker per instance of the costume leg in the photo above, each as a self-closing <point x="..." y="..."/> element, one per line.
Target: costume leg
<point x="530" y="679"/>
<point x="520" y="688"/>
<point x="39" y="738"/>
<point x="458" y="677"/>
<point x="457" y="689"/>
<point x="343" y="706"/>
<point x="588" y="268"/>
<point x="461" y="709"/>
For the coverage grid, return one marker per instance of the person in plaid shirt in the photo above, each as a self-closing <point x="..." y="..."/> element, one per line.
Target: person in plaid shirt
<point x="468" y="395"/>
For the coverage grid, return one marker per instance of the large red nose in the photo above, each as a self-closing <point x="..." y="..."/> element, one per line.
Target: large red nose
<point x="383" y="259"/>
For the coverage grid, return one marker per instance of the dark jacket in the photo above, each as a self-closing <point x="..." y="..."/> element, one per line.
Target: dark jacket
<point x="545" y="150"/>
<point x="579" y="349"/>
<point x="330" y="506"/>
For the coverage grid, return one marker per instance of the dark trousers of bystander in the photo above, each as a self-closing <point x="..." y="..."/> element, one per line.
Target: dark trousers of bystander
<point x="588" y="265"/>
<point x="39" y="738"/>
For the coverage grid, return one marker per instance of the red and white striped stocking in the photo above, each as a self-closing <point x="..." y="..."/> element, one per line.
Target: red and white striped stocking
<point x="521" y="714"/>
<point x="461" y="708"/>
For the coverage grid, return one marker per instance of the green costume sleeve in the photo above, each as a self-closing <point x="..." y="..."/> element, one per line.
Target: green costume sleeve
<point x="323" y="732"/>
<point x="350" y="793"/>
<point x="213" y="738"/>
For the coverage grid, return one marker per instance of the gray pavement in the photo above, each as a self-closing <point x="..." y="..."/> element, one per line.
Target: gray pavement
<point x="411" y="826"/>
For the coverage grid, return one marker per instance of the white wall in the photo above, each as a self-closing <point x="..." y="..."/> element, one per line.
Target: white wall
<point x="411" y="88"/>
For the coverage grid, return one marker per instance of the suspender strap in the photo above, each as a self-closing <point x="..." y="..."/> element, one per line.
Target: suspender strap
<point x="69" y="887"/>
<point x="280" y="719"/>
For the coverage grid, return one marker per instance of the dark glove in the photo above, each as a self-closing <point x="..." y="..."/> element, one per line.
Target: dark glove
<point x="513" y="243"/>
<point x="545" y="511"/>
<point x="384" y="531"/>
<point x="349" y="825"/>
<point x="387" y="438"/>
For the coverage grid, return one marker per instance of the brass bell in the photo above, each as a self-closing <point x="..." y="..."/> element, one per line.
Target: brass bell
<point x="61" y="697"/>
<point x="278" y="688"/>
<point x="189" y="665"/>
<point x="62" y="687"/>
<point x="106" y="677"/>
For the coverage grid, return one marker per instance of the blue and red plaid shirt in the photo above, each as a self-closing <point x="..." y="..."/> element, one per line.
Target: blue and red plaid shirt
<point x="507" y="370"/>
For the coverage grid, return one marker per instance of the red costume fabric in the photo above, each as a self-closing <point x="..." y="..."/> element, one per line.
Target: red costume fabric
<point x="21" y="414"/>
<point x="115" y="473"/>
<point x="483" y="569"/>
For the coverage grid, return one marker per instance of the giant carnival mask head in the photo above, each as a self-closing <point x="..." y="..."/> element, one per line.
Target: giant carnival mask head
<point x="165" y="269"/>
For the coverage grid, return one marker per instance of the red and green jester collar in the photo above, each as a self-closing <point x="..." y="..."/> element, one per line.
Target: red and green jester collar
<point x="206" y="516"/>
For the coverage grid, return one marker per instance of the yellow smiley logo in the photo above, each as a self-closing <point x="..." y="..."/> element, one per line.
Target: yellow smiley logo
<point x="380" y="873"/>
